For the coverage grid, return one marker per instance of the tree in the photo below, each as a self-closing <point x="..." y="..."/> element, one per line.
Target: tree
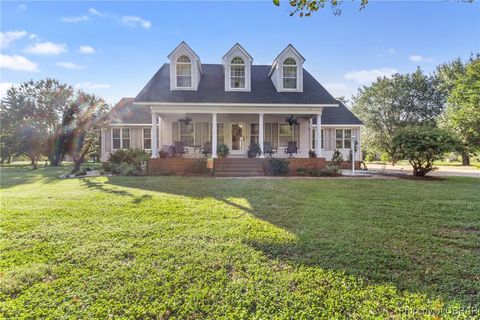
<point x="421" y="146"/>
<point x="81" y="132"/>
<point x="461" y="82"/>
<point x="390" y="104"/>
<point x="31" y="113"/>
<point x="307" y="7"/>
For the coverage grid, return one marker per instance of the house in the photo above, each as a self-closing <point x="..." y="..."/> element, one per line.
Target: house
<point x="234" y="103"/>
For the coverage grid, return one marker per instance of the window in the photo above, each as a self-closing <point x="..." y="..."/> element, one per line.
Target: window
<point x="289" y="74"/>
<point x="147" y="138"/>
<point x="116" y="140"/>
<point x="343" y="138"/>
<point x="184" y="72"/>
<point x="254" y="133"/>
<point x="237" y="73"/>
<point x="120" y="138"/>
<point x="285" y="134"/>
<point x="314" y="138"/>
<point x="187" y="133"/>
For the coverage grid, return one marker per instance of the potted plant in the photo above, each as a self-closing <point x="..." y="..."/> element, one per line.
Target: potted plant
<point x="254" y="150"/>
<point x="291" y="120"/>
<point x="223" y="150"/>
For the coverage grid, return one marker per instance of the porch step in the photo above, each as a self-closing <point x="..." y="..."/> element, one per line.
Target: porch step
<point x="239" y="167"/>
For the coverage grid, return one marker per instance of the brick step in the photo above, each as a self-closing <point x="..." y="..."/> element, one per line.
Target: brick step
<point x="238" y="174"/>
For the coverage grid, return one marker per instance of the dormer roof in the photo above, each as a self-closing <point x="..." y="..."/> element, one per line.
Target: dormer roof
<point x="239" y="47"/>
<point x="185" y="47"/>
<point x="290" y="48"/>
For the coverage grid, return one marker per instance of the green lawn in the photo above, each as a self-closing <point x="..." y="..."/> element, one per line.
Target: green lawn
<point x="194" y="248"/>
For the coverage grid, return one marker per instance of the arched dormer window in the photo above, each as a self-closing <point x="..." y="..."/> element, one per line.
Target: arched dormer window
<point x="237" y="73"/>
<point x="184" y="72"/>
<point x="289" y="74"/>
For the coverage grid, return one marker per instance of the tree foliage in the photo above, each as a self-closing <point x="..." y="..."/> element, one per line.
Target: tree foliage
<point x="307" y="7"/>
<point x="421" y="146"/>
<point x="48" y="118"/>
<point x="390" y="104"/>
<point x="461" y="82"/>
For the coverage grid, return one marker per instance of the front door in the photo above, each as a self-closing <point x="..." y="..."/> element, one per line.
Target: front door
<point x="238" y="143"/>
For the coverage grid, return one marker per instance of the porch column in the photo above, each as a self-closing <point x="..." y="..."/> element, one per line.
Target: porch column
<point x="260" y="133"/>
<point x="154" y="135"/>
<point x="214" y="135"/>
<point x="318" y="136"/>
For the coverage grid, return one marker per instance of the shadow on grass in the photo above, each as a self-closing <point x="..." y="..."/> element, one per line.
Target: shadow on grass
<point x="373" y="229"/>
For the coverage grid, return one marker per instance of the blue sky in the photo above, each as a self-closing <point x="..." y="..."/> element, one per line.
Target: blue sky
<point x="113" y="48"/>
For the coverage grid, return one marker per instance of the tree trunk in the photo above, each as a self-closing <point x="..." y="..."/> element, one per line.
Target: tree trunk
<point x="465" y="159"/>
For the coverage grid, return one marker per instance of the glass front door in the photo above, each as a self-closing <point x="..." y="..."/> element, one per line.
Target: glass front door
<point x="237" y="138"/>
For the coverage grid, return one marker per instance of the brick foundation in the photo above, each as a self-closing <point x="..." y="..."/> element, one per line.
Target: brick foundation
<point x="307" y="163"/>
<point x="173" y="166"/>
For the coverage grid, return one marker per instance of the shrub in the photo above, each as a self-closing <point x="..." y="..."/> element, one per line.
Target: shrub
<point x="301" y="171"/>
<point x="337" y="158"/>
<point x="254" y="150"/>
<point x="106" y="166"/>
<point x="278" y="167"/>
<point x="200" y="166"/>
<point x="312" y="154"/>
<point x="329" y="171"/>
<point x="369" y="157"/>
<point x="80" y="173"/>
<point x="385" y="157"/>
<point x="421" y="146"/>
<point x="126" y="169"/>
<point x="223" y="150"/>
<point x="126" y="162"/>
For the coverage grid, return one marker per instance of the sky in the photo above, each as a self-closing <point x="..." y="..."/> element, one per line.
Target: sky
<point x="112" y="48"/>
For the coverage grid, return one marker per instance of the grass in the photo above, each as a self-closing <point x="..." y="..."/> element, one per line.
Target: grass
<point x="194" y="248"/>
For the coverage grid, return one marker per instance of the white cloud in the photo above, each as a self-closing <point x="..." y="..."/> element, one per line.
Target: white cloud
<point x="69" y="65"/>
<point x="419" y="58"/>
<point x="86" y="50"/>
<point x="22" y="7"/>
<point x="339" y="89"/>
<point x="17" y="63"/>
<point x="134" y="21"/>
<point x="8" y="37"/>
<point x="33" y="36"/>
<point x="91" y="85"/>
<point x="368" y="76"/>
<point x="47" y="48"/>
<point x="4" y="86"/>
<point x="75" y="19"/>
<point x="95" y="12"/>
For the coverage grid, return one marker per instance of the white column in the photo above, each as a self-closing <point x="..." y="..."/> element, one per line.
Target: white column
<point x="260" y="133"/>
<point x="318" y="136"/>
<point x="154" y="135"/>
<point x="214" y="135"/>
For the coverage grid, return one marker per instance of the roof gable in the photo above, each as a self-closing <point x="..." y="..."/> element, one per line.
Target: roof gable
<point x="237" y="46"/>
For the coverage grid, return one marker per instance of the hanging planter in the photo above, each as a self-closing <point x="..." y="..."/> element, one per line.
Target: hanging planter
<point x="185" y="121"/>
<point x="291" y="120"/>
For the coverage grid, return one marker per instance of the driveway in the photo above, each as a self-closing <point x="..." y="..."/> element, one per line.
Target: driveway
<point x="444" y="171"/>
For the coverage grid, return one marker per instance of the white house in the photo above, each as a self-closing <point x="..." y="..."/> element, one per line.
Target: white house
<point x="234" y="103"/>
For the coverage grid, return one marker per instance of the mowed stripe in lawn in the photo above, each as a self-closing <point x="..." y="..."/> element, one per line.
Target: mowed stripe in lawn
<point x="191" y="247"/>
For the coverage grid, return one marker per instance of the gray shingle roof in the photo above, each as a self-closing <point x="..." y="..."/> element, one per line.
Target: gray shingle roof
<point x="126" y="112"/>
<point x="212" y="89"/>
<point x="340" y="115"/>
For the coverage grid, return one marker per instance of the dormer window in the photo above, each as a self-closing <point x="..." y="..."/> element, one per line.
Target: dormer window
<point x="289" y="74"/>
<point x="237" y="73"/>
<point x="184" y="72"/>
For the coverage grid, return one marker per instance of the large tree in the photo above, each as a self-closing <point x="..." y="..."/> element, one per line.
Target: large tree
<point x="461" y="82"/>
<point x="32" y="112"/>
<point x="390" y="104"/>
